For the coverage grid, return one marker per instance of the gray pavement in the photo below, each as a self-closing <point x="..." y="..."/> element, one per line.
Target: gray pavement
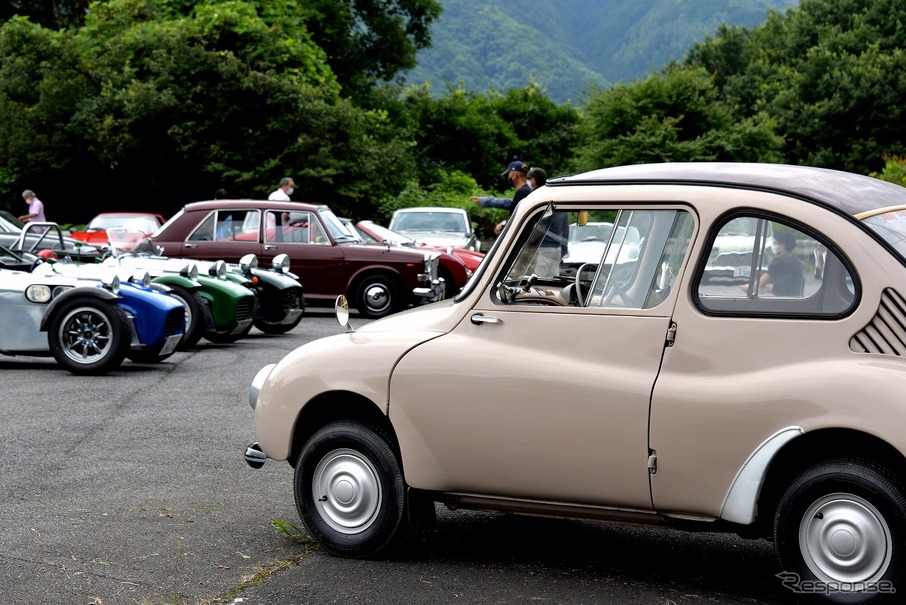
<point x="130" y="489"/>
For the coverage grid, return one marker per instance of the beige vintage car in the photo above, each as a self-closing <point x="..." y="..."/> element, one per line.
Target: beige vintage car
<point x="636" y="387"/>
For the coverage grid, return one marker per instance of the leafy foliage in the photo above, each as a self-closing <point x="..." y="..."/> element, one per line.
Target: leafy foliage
<point x="827" y="73"/>
<point x="672" y="117"/>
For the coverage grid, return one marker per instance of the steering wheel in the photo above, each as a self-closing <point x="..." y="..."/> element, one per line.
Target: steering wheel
<point x="579" y="296"/>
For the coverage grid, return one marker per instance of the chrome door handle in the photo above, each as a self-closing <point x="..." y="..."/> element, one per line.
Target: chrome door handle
<point x="269" y="247"/>
<point x="478" y="318"/>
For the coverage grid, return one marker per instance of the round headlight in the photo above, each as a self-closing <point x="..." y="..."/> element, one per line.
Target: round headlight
<point x="218" y="269"/>
<point x="248" y="262"/>
<point x="143" y="278"/>
<point x="111" y="283"/>
<point x="281" y="263"/>
<point x="190" y="271"/>
<point x="38" y="293"/>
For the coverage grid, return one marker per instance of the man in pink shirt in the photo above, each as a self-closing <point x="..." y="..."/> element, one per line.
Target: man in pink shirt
<point x="35" y="208"/>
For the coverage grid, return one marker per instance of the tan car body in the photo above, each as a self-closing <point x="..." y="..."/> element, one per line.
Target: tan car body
<point x="656" y="413"/>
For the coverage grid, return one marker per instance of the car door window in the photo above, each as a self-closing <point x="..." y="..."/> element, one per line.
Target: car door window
<point x="300" y="227"/>
<point x="764" y="265"/>
<point x="228" y="225"/>
<point x="577" y="258"/>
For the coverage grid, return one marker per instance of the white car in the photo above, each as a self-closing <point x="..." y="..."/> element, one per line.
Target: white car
<point x="436" y="226"/>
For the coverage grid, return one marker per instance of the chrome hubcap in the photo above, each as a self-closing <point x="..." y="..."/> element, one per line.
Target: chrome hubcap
<point x="845" y="540"/>
<point x="347" y="491"/>
<point x="377" y="297"/>
<point x="86" y="335"/>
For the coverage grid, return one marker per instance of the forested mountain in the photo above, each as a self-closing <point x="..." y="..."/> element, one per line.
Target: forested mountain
<point x="565" y="45"/>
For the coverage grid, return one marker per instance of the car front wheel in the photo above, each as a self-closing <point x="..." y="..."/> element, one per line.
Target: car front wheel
<point x="839" y="533"/>
<point x="377" y="296"/>
<point x="349" y="489"/>
<point x="89" y="336"/>
<point x="195" y="324"/>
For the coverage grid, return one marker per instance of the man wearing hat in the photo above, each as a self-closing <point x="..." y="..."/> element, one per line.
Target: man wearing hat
<point x="516" y="174"/>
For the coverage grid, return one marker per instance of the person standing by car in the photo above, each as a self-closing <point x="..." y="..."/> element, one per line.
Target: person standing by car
<point x="35" y="208"/>
<point x="536" y="177"/>
<point x="516" y="174"/>
<point x="282" y="193"/>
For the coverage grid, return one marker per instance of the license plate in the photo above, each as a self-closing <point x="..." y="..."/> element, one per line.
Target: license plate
<point x="171" y="344"/>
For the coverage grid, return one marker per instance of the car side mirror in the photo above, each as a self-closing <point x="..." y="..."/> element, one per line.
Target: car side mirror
<point x="341" y="308"/>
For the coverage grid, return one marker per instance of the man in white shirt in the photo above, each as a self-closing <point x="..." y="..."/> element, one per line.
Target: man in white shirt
<point x="284" y="191"/>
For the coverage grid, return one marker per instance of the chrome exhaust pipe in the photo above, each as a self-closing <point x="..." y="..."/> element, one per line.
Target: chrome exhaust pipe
<point x="255" y="456"/>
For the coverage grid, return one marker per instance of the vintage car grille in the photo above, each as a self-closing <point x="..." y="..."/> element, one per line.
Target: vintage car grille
<point x="431" y="263"/>
<point x="886" y="332"/>
<point x="175" y="321"/>
<point x="292" y="298"/>
<point x="245" y="307"/>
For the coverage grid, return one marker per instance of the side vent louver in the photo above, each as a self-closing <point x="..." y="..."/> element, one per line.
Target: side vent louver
<point x="886" y="332"/>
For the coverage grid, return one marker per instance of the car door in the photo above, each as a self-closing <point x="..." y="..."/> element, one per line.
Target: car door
<point x="319" y="263"/>
<point x="752" y="348"/>
<point x="226" y="234"/>
<point x="537" y="395"/>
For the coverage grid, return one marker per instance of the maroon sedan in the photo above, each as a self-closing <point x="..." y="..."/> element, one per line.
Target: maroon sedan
<point x="378" y="280"/>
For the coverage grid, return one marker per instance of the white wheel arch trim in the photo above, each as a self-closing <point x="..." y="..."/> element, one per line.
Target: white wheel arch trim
<point x="740" y="503"/>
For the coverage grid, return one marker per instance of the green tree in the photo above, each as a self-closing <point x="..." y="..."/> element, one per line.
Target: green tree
<point x="166" y="108"/>
<point x="674" y="116"/>
<point x="52" y="14"/>
<point x="370" y="41"/>
<point x="828" y="71"/>
<point x="479" y="134"/>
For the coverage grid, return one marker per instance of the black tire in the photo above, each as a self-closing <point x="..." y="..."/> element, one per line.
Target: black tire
<point x="451" y="288"/>
<point x="146" y="356"/>
<point x="271" y="328"/>
<point x="195" y="323"/>
<point x="839" y="533"/>
<point x="88" y="336"/>
<point x="377" y="296"/>
<point x="225" y="339"/>
<point x="349" y="490"/>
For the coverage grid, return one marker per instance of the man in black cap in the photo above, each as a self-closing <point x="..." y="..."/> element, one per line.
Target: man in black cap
<point x="515" y="173"/>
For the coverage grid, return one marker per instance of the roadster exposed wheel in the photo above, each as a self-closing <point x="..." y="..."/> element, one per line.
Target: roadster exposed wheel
<point x="349" y="489"/>
<point x="840" y="529"/>
<point x="89" y="336"/>
<point x="377" y="296"/>
<point x="195" y="324"/>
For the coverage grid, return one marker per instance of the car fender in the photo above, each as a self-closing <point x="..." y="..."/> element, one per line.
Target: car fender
<point x="85" y="291"/>
<point x="173" y="279"/>
<point x="740" y="505"/>
<point x="223" y="297"/>
<point x="322" y="367"/>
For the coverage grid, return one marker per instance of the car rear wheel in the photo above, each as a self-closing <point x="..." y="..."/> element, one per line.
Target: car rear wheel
<point x="349" y="489"/>
<point x="89" y="336"/>
<point x="839" y="532"/>
<point x="194" y="328"/>
<point x="377" y="296"/>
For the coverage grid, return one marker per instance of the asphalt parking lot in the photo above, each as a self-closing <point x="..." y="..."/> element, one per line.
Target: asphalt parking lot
<point x="130" y="488"/>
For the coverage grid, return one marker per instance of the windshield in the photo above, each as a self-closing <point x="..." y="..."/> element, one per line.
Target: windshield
<point x="430" y="221"/>
<point x="892" y="227"/>
<point x="335" y="226"/>
<point x="391" y="236"/>
<point x="147" y="224"/>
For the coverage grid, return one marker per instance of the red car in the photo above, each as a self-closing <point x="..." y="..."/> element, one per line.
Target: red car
<point x="377" y="280"/>
<point x="456" y="264"/>
<point x="471" y="258"/>
<point x="95" y="232"/>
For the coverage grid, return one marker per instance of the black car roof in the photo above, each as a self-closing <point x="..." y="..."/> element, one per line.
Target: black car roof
<point x="849" y="193"/>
